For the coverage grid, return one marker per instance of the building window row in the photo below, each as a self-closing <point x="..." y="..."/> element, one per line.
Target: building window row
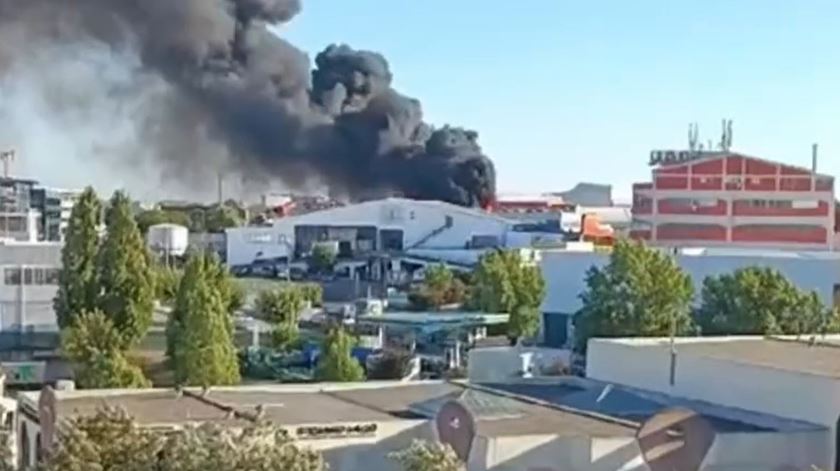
<point x="30" y="276"/>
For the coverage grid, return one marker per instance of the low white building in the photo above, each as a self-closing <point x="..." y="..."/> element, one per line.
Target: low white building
<point x="781" y="377"/>
<point x="565" y="276"/>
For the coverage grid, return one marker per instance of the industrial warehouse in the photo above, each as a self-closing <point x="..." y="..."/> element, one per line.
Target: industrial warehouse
<point x="283" y="259"/>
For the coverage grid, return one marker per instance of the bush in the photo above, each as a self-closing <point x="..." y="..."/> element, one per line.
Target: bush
<point x="313" y="293"/>
<point x="285" y="337"/>
<point x="392" y="364"/>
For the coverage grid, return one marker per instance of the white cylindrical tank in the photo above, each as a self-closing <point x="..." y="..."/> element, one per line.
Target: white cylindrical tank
<point x="168" y="239"/>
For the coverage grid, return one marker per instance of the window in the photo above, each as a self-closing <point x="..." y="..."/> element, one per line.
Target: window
<point x="11" y="276"/>
<point x="51" y="276"/>
<point x="39" y="276"/>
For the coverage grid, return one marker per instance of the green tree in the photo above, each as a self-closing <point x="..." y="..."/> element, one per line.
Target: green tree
<point x="200" y="329"/>
<point x="323" y="258"/>
<point x="152" y="217"/>
<point x="125" y="276"/>
<point x="282" y="307"/>
<point x="110" y="440"/>
<point x="94" y="346"/>
<point x="230" y="290"/>
<point x="313" y="293"/>
<point x="218" y="218"/>
<point x="336" y="362"/>
<point x="426" y="456"/>
<point x="759" y="301"/>
<point x="505" y="282"/>
<point x="641" y="292"/>
<point x="78" y="288"/>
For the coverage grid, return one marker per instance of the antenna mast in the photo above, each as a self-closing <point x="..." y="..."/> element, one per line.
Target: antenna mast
<point x="7" y="157"/>
<point x="693" y="136"/>
<point x="726" y="135"/>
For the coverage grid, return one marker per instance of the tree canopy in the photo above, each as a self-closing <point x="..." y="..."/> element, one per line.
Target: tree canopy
<point x="110" y="440"/>
<point x="323" y="258"/>
<point x="760" y="301"/>
<point x="152" y="217"/>
<point x="282" y="307"/>
<point x="505" y="282"/>
<point x="125" y="278"/>
<point x="94" y="345"/>
<point x="336" y="362"/>
<point x="428" y="456"/>
<point x="440" y="287"/>
<point x="640" y="292"/>
<point x="78" y="287"/>
<point x="200" y="329"/>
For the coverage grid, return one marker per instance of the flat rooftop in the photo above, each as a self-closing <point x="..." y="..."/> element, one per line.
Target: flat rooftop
<point x="596" y="398"/>
<point x="820" y="357"/>
<point x="293" y="405"/>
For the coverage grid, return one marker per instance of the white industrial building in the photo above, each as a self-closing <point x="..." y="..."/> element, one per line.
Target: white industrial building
<point x="565" y="276"/>
<point x="427" y="228"/>
<point x="797" y="379"/>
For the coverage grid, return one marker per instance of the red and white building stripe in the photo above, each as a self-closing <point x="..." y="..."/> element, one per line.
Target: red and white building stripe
<point x="724" y="198"/>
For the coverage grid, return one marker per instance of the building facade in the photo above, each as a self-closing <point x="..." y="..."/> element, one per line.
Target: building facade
<point x="724" y="198"/>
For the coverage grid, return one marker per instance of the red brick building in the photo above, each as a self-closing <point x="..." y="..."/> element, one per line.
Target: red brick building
<point x="725" y="198"/>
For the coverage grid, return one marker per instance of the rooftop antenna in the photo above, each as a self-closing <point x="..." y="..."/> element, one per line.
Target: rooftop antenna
<point x="726" y="135"/>
<point x="693" y="133"/>
<point x="7" y="157"/>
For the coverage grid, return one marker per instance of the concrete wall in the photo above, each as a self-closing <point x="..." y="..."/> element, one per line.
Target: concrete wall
<point x="645" y="365"/>
<point x="504" y="364"/>
<point x="729" y="452"/>
<point x="783" y="393"/>
<point x="245" y="244"/>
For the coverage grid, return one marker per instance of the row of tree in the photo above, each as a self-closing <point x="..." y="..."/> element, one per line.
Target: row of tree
<point x="216" y="218"/>
<point x="105" y="298"/>
<point x="643" y="292"/>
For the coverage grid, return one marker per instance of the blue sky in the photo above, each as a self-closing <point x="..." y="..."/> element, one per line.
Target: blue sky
<point x="563" y="91"/>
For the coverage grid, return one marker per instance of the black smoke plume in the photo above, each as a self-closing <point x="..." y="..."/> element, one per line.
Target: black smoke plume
<point x="231" y="77"/>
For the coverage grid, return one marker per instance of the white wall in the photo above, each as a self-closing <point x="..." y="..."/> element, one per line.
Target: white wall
<point x="643" y="364"/>
<point x="783" y="393"/>
<point x="504" y="364"/>
<point x="245" y="244"/>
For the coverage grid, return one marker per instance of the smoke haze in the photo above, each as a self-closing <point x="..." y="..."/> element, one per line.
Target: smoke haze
<point x="190" y="88"/>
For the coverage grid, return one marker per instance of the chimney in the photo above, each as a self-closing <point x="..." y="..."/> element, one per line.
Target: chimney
<point x="814" y="158"/>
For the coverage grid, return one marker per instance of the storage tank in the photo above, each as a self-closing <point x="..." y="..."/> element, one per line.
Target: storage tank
<point x="168" y="239"/>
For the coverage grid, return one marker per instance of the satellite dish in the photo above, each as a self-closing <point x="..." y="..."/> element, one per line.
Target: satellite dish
<point x="456" y="427"/>
<point x="675" y="439"/>
<point x="46" y="416"/>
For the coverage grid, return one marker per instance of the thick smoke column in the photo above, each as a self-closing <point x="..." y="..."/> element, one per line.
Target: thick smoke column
<point x="232" y="78"/>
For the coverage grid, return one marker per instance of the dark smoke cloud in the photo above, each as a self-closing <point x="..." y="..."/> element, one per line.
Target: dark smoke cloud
<point x="231" y="78"/>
